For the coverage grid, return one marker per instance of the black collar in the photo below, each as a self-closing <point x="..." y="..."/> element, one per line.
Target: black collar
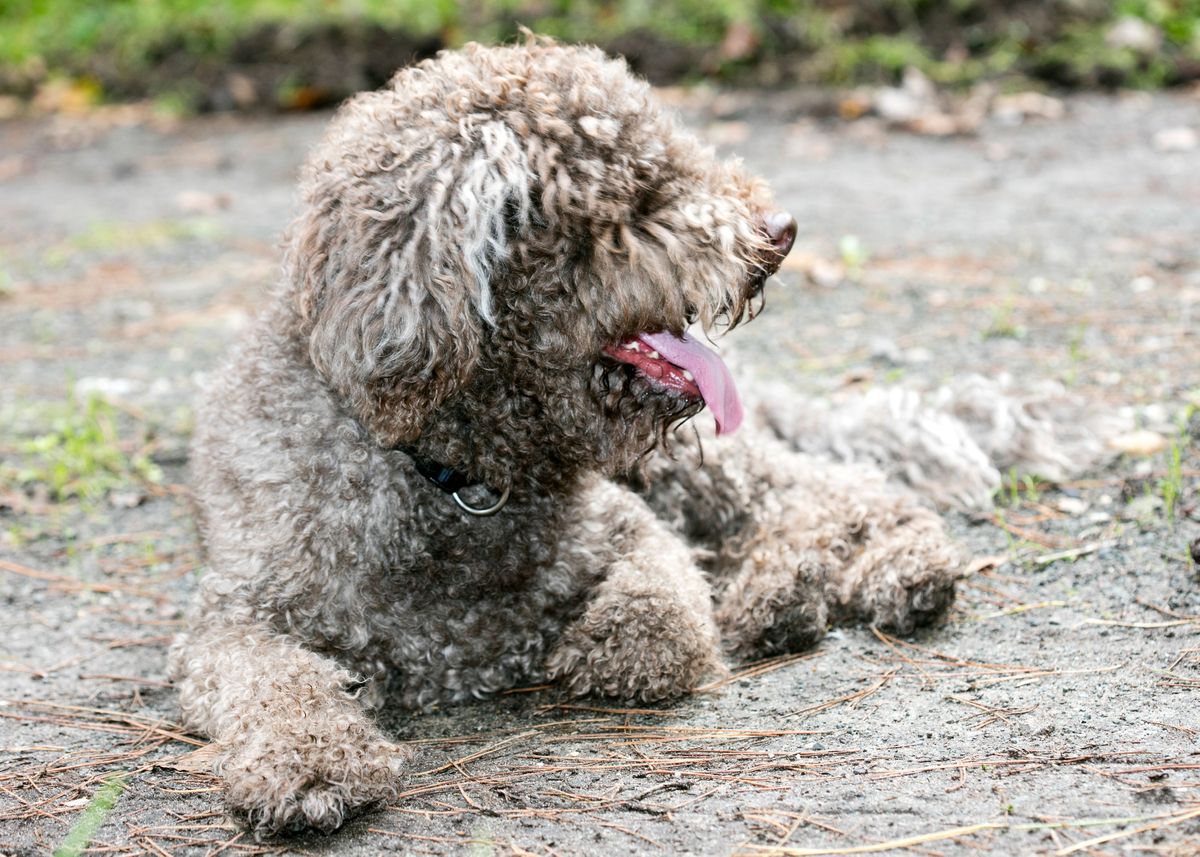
<point x="452" y="481"/>
<point x="441" y="475"/>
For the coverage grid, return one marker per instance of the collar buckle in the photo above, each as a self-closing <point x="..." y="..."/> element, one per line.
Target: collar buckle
<point x="452" y="482"/>
<point x="482" y="513"/>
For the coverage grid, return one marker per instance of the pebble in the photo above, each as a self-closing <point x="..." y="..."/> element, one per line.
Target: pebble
<point x="1139" y="442"/>
<point x="1142" y="507"/>
<point x="1135" y="34"/>
<point x="1071" y="505"/>
<point x="1176" y="140"/>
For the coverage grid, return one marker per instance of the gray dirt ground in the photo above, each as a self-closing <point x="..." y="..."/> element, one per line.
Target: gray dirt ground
<point x="1059" y="699"/>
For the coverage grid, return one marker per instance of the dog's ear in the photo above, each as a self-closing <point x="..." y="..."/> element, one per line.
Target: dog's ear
<point x="392" y="262"/>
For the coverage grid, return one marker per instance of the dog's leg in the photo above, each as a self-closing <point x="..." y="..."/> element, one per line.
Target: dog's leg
<point x="795" y="543"/>
<point x="843" y="548"/>
<point x="292" y="742"/>
<point x="648" y="632"/>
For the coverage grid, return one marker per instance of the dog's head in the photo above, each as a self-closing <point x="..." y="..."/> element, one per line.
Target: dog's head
<point x="501" y="251"/>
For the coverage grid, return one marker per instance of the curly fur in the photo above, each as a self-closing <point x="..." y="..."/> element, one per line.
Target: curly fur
<point x="951" y="445"/>
<point x="471" y="238"/>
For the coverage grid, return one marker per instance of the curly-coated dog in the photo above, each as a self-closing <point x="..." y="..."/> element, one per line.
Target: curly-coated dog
<point x="445" y="460"/>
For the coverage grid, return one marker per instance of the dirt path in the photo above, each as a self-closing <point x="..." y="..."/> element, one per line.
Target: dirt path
<point x="1060" y="699"/>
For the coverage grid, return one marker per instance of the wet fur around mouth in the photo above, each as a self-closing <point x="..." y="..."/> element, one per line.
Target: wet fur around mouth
<point x="470" y="238"/>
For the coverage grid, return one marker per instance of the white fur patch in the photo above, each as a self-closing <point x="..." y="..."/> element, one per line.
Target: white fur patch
<point x="600" y="128"/>
<point x="489" y="184"/>
<point x="952" y="445"/>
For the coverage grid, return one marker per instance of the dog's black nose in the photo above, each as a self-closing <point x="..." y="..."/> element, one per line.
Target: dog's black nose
<point x="780" y="228"/>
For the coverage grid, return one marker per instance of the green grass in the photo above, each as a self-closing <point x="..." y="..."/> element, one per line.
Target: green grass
<point x="854" y="254"/>
<point x="80" y="456"/>
<point x="1003" y="324"/>
<point x="92" y="818"/>
<point x="1018" y="488"/>
<point x="134" y="29"/>
<point x="114" y="237"/>
<point x="1170" y="486"/>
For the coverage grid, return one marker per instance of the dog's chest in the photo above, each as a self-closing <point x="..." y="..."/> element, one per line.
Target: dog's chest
<point x="474" y="609"/>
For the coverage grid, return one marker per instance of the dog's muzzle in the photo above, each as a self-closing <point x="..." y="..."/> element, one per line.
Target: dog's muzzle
<point x="779" y="229"/>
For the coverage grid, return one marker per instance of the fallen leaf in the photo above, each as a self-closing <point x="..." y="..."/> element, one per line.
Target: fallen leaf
<point x="983" y="563"/>
<point x="199" y="761"/>
<point x="1139" y="442"/>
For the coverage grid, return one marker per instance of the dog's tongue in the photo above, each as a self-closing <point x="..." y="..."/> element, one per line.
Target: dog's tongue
<point x="711" y="374"/>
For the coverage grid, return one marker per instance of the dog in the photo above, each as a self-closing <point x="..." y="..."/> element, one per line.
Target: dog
<point x="457" y="452"/>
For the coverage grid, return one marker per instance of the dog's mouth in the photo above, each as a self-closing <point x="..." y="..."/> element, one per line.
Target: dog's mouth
<point x="681" y="365"/>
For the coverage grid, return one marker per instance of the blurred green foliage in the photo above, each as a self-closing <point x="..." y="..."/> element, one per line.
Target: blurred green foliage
<point x="80" y="455"/>
<point x="1179" y="20"/>
<point x="132" y="31"/>
<point x="824" y="41"/>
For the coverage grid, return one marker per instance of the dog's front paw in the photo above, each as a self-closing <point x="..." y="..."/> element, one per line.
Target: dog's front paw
<point x="905" y="578"/>
<point x="903" y="603"/>
<point x="309" y="778"/>
<point x="646" y="648"/>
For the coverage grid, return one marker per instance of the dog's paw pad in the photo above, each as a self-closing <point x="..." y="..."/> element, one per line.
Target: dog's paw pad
<point x="642" y="648"/>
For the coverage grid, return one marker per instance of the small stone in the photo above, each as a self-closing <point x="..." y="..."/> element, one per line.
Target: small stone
<point x="1176" y="140"/>
<point x="1071" y="505"/>
<point x="1195" y="550"/>
<point x="936" y="124"/>
<point x="126" y="499"/>
<point x="199" y="202"/>
<point x="884" y="350"/>
<point x="1143" y="508"/>
<point x="854" y="106"/>
<point x="242" y="90"/>
<point x="1134" y="34"/>
<point x="997" y="151"/>
<point x="898" y="105"/>
<point x="107" y="388"/>
<point x="826" y="274"/>
<point x="731" y="133"/>
<point x="1016" y="108"/>
<point x="1139" y="442"/>
<point x="1157" y="415"/>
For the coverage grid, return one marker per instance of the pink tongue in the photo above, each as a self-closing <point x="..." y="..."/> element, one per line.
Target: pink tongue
<point x="712" y="375"/>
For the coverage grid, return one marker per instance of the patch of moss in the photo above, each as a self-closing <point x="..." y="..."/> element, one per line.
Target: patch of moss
<point x="75" y="451"/>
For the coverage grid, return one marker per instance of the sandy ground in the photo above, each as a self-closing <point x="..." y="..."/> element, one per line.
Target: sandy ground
<point x="1056" y="710"/>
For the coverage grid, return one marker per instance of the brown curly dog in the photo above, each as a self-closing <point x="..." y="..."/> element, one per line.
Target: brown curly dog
<point x="437" y="467"/>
